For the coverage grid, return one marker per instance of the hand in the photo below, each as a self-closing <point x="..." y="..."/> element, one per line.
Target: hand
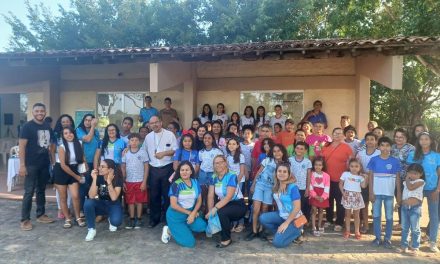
<point x="306" y="194"/>
<point x="396" y="207"/>
<point x="82" y="180"/>
<point x="143" y="186"/>
<point x="94" y="174"/>
<point x="22" y="172"/>
<point x="94" y="122"/>
<point x="252" y="190"/>
<point x="110" y="177"/>
<point x="159" y="155"/>
<point x="213" y="211"/>
<point x="372" y="198"/>
<point x="124" y="152"/>
<point x="124" y="187"/>
<point x="190" y="219"/>
<point x="345" y="194"/>
<point x="434" y="195"/>
<point x="283" y="227"/>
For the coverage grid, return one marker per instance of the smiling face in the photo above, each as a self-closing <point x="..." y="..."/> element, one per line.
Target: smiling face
<point x="155" y="124"/>
<point x="68" y="135"/>
<point x="216" y="128"/>
<point x="111" y="132"/>
<point x="350" y="134"/>
<point x="425" y="142"/>
<point x="220" y="165"/>
<point x="65" y="122"/>
<point x="283" y="173"/>
<point x="307" y="128"/>
<point x="378" y="132"/>
<point x="103" y="168"/>
<point x="400" y="138"/>
<point x="318" y="128"/>
<point x="187" y="142"/>
<point x="338" y="135"/>
<point x="207" y="140"/>
<point x="355" y="167"/>
<point x="277" y="153"/>
<point x="185" y="172"/>
<point x="195" y="124"/>
<point x="232" y="145"/>
<point x="300" y="136"/>
<point x="39" y="112"/>
<point x="88" y="121"/>
<point x="414" y="175"/>
<point x="201" y="131"/>
<point x="318" y="166"/>
<point x="127" y="125"/>
<point x="370" y="141"/>
<point x="278" y="111"/>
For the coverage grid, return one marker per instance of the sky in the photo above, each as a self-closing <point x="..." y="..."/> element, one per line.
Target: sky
<point x="18" y="8"/>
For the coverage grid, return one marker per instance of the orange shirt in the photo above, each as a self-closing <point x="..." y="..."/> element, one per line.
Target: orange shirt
<point x="286" y="138"/>
<point x="336" y="159"/>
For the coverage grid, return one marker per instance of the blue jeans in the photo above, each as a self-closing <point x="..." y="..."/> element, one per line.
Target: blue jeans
<point x="204" y="177"/>
<point x="181" y="231"/>
<point x="388" y="202"/>
<point x="271" y="221"/>
<point x="433" y="211"/>
<point x="93" y="207"/>
<point x="410" y="216"/>
<point x="85" y="187"/>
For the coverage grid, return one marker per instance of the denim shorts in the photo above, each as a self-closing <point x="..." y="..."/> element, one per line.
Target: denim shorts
<point x="263" y="193"/>
<point x="204" y="177"/>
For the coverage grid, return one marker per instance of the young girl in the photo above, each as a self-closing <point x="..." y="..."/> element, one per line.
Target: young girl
<point x="235" y="119"/>
<point x="236" y="164"/>
<point x="196" y="123"/>
<point x="350" y="186"/>
<point x="220" y="115"/>
<point x="262" y="186"/>
<point x="281" y="223"/>
<point x="319" y="191"/>
<point x="217" y="130"/>
<point x="277" y="128"/>
<point x="187" y="152"/>
<point x="206" y="114"/>
<point x="111" y="146"/>
<point x="248" y="117"/>
<point x="266" y="147"/>
<point x="411" y="208"/>
<point x="201" y="130"/>
<point x="261" y="117"/>
<point x="233" y="130"/>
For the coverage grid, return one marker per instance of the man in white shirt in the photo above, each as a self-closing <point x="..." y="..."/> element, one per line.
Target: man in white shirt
<point x="278" y="117"/>
<point x="160" y="144"/>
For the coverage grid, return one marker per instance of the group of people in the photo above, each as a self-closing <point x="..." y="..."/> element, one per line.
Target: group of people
<point x="290" y="175"/>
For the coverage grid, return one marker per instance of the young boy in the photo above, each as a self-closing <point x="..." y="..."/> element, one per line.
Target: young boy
<point x="364" y="156"/>
<point x="247" y="146"/>
<point x="300" y="136"/>
<point x="278" y="117"/>
<point x="384" y="178"/>
<point x="301" y="167"/>
<point x="127" y="124"/>
<point x="135" y="172"/>
<point x="350" y="138"/>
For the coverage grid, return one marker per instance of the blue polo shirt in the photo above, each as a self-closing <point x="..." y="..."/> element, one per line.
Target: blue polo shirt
<point x="318" y="118"/>
<point x="147" y="113"/>
<point x="113" y="150"/>
<point x="89" y="147"/>
<point x="430" y="162"/>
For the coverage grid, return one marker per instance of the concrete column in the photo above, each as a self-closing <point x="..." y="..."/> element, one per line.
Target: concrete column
<point x="362" y="104"/>
<point x="190" y="102"/>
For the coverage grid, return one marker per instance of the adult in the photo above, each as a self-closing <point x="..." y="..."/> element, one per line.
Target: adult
<point x="66" y="176"/>
<point x="287" y="197"/>
<point x="318" y="139"/>
<point x="287" y="137"/>
<point x="278" y="117"/>
<point x="147" y="111"/>
<point x="160" y="144"/>
<point x="127" y="125"/>
<point x="316" y="115"/>
<point x="426" y="155"/>
<point x="336" y="155"/>
<point x="106" y="190"/>
<point x="168" y="114"/>
<point x="400" y="150"/>
<point x="35" y="139"/>
<point x="89" y="136"/>
<point x="110" y="147"/>
<point x="230" y="206"/>
<point x="417" y="129"/>
<point x="185" y="201"/>
<point x="206" y="114"/>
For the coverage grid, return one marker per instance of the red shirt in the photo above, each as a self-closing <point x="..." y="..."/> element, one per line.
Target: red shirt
<point x="286" y="138"/>
<point x="336" y="159"/>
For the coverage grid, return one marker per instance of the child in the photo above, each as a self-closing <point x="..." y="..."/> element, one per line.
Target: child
<point x="364" y="156"/>
<point x="319" y="191"/>
<point x="135" y="172"/>
<point x="350" y="138"/>
<point x="350" y="186"/>
<point x="300" y="136"/>
<point x="220" y="115"/>
<point x="411" y="208"/>
<point x="186" y="151"/>
<point x="262" y="186"/>
<point x="261" y="117"/>
<point x="236" y="164"/>
<point x="235" y="119"/>
<point x="384" y="178"/>
<point x="300" y="166"/>
<point x="206" y="114"/>
<point x="248" y="117"/>
<point x="247" y="146"/>
<point x="266" y="146"/>
<point x="277" y="128"/>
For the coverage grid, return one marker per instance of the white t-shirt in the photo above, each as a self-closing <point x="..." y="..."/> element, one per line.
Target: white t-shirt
<point x="246" y="120"/>
<point x="260" y="121"/>
<point x="364" y="158"/>
<point x="416" y="193"/>
<point x="235" y="167"/>
<point x="72" y="158"/>
<point x="247" y="152"/>
<point x="206" y="157"/>
<point x="281" y="120"/>
<point x="204" y="119"/>
<point x="299" y="170"/>
<point x="223" y="117"/>
<point x="158" y="142"/>
<point x="134" y="165"/>
<point x="352" y="182"/>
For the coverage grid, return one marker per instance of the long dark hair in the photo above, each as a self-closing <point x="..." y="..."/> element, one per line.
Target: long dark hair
<point x="416" y="168"/>
<point x="118" y="173"/>
<point x="193" y="144"/>
<point x="79" y="153"/>
<point x="177" y="174"/>
<point x="58" y="130"/>
<point x="221" y="127"/>
<point x="283" y="150"/>
<point x="271" y="144"/>
<point x="237" y="152"/>
<point x="214" y="143"/>
<point x="238" y="118"/>
<point x="264" y="114"/>
<point x="418" y="153"/>
<point x="106" y="138"/>
<point x="252" y="111"/>
<point x="413" y="132"/>
<point x="209" y="113"/>
<point x="81" y="125"/>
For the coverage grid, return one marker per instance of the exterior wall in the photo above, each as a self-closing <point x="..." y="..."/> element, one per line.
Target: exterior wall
<point x="10" y="103"/>
<point x="34" y="97"/>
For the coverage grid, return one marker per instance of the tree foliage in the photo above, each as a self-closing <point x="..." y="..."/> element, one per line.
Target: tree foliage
<point x="123" y="23"/>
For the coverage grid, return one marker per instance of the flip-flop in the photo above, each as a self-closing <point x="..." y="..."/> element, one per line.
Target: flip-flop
<point x="220" y="245"/>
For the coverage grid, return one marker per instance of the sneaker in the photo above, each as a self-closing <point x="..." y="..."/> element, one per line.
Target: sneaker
<point x="338" y="228"/>
<point x="376" y="242"/>
<point x="403" y="250"/>
<point x="327" y="224"/>
<point x="316" y="233"/>
<point x="138" y="224"/>
<point x="26" y="225"/>
<point x="44" y="219"/>
<point x="130" y="224"/>
<point x="321" y="230"/>
<point x="165" y="235"/>
<point x="91" y="234"/>
<point x="111" y="227"/>
<point x="251" y="236"/>
<point x="433" y="247"/>
<point x="387" y="244"/>
<point x="413" y="251"/>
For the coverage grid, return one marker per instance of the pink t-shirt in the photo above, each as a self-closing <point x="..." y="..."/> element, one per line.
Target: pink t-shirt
<point x="318" y="142"/>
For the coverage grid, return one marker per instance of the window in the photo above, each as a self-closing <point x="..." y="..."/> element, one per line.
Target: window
<point x="291" y="101"/>
<point x="113" y="107"/>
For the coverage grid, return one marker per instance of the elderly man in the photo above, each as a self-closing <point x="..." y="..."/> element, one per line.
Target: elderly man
<point x="160" y="144"/>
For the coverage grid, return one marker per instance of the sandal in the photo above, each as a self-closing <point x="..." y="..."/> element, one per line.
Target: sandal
<point x="67" y="223"/>
<point x="358" y="236"/>
<point x="346" y="235"/>
<point x="221" y="245"/>
<point x="80" y="221"/>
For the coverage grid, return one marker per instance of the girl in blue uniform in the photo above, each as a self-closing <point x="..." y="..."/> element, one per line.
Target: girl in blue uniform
<point x="111" y="146"/>
<point x="288" y="200"/>
<point x="185" y="201"/>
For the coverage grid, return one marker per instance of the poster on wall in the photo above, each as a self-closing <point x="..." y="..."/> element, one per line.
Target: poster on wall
<point x="79" y="114"/>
